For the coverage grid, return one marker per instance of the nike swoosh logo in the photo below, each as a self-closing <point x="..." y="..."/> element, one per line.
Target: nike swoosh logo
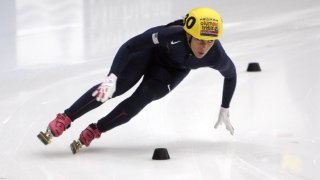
<point x="175" y="42"/>
<point x="169" y="88"/>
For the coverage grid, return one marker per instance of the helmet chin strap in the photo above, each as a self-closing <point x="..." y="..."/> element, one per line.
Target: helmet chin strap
<point x="189" y="38"/>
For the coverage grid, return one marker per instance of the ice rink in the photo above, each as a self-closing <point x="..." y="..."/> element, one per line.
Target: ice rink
<point x="51" y="52"/>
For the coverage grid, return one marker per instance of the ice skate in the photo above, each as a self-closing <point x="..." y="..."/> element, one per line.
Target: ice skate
<point x="75" y="146"/>
<point x="45" y="137"/>
<point x="86" y="136"/>
<point x="55" y="128"/>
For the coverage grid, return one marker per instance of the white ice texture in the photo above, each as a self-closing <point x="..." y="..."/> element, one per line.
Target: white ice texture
<point x="53" y="51"/>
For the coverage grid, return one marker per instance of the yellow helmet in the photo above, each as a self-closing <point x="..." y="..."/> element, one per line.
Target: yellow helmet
<point x="203" y="23"/>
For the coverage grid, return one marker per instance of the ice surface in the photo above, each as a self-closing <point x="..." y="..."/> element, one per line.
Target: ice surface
<point x="275" y="112"/>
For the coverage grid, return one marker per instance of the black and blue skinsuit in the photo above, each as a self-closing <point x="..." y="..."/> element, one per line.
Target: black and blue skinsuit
<point x="162" y="56"/>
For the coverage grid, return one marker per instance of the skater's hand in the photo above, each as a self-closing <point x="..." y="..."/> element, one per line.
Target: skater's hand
<point x="224" y="118"/>
<point x="106" y="89"/>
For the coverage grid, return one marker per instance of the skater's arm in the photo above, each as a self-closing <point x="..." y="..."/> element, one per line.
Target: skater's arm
<point x="229" y="86"/>
<point x="230" y="80"/>
<point x="228" y="71"/>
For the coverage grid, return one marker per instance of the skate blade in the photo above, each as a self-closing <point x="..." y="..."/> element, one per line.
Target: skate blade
<point x="45" y="138"/>
<point x="75" y="146"/>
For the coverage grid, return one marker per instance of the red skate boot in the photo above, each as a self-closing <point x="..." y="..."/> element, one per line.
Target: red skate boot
<point x="55" y="128"/>
<point x="86" y="136"/>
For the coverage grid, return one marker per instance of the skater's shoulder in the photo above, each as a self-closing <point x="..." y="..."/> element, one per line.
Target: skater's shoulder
<point x="167" y="32"/>
<point x="172" y="27"/>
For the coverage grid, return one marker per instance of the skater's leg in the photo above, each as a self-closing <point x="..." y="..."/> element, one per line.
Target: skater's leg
<point x="154" y="86"/>
<point x="127" y="79"/>
<point x="84" y="104"/>
<point x="63" y="120"/>
<point x="147" y="92"/>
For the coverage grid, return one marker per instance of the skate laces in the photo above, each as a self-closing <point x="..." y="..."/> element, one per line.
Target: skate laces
<point x="63" y="120"/>
<point x="89" y="134"/>
<point x="59" y="124"/>
<point x="95" y="130"/>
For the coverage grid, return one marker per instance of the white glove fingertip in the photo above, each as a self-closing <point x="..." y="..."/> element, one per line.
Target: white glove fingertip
<point x="103" y="98"/>
<point x="109" y="95"/>
<point x="231" y="130"/>
<point x="217" y="124"/>
<point x="95" y="93"/>
<point x="99" y="96"/>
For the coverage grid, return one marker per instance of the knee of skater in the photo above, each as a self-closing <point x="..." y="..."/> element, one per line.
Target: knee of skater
<point x="145" y="93"/>
<point x="152" y="92"/>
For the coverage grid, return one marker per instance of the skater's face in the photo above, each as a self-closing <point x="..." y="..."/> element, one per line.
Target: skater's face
<point x="200" y="47"/>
